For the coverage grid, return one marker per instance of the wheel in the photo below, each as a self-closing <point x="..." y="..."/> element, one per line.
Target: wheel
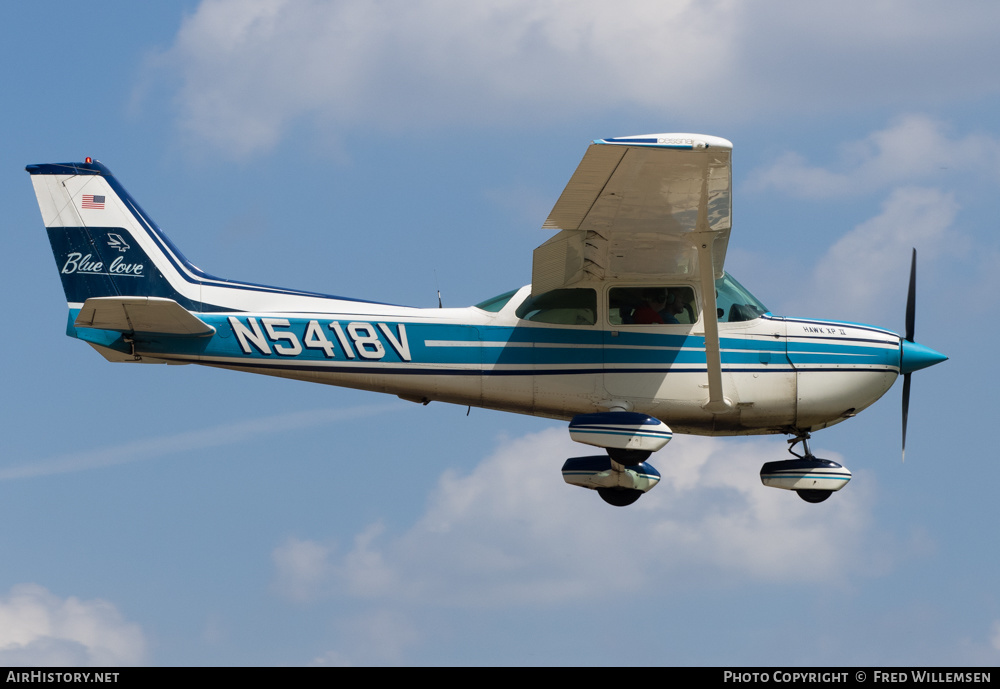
<point x="619" y="497"/>
<point x="628" y="457"/>
<point x="814" y="496"/>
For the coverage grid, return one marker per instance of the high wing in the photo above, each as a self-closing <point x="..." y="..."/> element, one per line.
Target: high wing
<point x="644" y="208"/>
<point x="639" y="207"/>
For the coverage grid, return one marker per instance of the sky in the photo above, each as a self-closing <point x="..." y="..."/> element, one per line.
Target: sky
<point x="159" y="515"/>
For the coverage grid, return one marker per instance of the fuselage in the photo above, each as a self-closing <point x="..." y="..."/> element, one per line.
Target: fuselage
<point x="781" y="374"/>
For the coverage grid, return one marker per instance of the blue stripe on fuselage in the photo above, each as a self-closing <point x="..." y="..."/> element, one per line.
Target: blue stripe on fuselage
<point x="497" y="350"/>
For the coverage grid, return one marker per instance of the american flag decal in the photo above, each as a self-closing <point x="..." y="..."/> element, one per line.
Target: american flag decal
<point x="91" y="201"/>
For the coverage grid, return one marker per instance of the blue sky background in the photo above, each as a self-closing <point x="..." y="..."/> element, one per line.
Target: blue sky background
<point x="177" y="515"/>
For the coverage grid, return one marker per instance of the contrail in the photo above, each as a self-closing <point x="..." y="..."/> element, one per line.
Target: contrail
<point x="159" y="446"/>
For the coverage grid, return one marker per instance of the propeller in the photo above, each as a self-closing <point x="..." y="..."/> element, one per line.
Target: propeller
<point x="911" y="308"/>
<point x="913" y="356"/>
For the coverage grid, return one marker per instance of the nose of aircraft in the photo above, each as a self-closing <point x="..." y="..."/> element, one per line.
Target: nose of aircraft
<point x="913" y="356"/>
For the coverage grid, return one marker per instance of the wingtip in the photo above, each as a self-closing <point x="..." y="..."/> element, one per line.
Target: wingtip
<point x="683" y="141"/>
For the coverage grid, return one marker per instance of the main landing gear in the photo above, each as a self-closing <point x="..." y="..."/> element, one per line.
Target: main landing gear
<point x="617" y="483"/>
<point x="619" y="497"/>
<point x="812" y="478"/>
<point x="621" y="476"/>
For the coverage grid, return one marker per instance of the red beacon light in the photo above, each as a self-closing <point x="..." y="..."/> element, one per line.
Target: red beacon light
<point x="88" y="160"/>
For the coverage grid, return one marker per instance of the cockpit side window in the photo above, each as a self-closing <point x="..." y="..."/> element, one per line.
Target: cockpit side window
<point x="667" y="305"/>
<point x="561" y="306"/>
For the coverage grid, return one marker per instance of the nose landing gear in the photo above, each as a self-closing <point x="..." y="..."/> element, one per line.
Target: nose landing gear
<point x="813" y="479"/>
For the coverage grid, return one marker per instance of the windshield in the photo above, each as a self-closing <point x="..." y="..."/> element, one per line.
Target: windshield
<point x="735" y="302"/>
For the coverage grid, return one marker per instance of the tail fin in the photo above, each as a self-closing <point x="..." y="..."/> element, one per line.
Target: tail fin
<point x="104" y="244"/>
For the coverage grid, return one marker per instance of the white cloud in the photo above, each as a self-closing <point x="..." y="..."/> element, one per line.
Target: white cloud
<point x="379" y="636"/>
<point x="302" y="569"/>
<point x="38" y="628"/>
<point x="332" y="659"/>
<point x="863" y="277"/>
<point x="250" y="70"/>
<point x="512" y="533"/>
<point x="912" y="149"/>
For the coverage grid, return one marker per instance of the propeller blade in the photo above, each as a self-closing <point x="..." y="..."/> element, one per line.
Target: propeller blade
<point x="906" y="408"/>
<point x="911" y="309"/>
<point x="911" y="298"/>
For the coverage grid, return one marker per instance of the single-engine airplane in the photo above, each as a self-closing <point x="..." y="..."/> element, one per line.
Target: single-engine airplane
<point x="630" y="330"/>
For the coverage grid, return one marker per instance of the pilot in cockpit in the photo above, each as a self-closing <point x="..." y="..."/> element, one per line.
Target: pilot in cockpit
<point x="654" y="302"/>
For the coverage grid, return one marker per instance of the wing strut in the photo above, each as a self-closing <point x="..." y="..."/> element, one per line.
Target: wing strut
<point x="717" y="402"/>
<point x="704" y="240"/>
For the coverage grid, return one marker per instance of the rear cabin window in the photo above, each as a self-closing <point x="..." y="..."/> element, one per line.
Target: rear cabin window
<point x="652" y="305"/>
<point x="496" y="304"/>
<point x="561" y="306"/>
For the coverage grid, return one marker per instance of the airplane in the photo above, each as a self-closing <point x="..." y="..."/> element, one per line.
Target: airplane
<point x="631" y="329"/>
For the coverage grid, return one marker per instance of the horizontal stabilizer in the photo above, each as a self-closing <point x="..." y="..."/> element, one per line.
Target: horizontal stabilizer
<point x="141" y="315"/>
<point x="117" y="357"/>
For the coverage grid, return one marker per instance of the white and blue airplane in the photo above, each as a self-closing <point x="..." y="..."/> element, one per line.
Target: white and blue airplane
<point x="631" y="330"/>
